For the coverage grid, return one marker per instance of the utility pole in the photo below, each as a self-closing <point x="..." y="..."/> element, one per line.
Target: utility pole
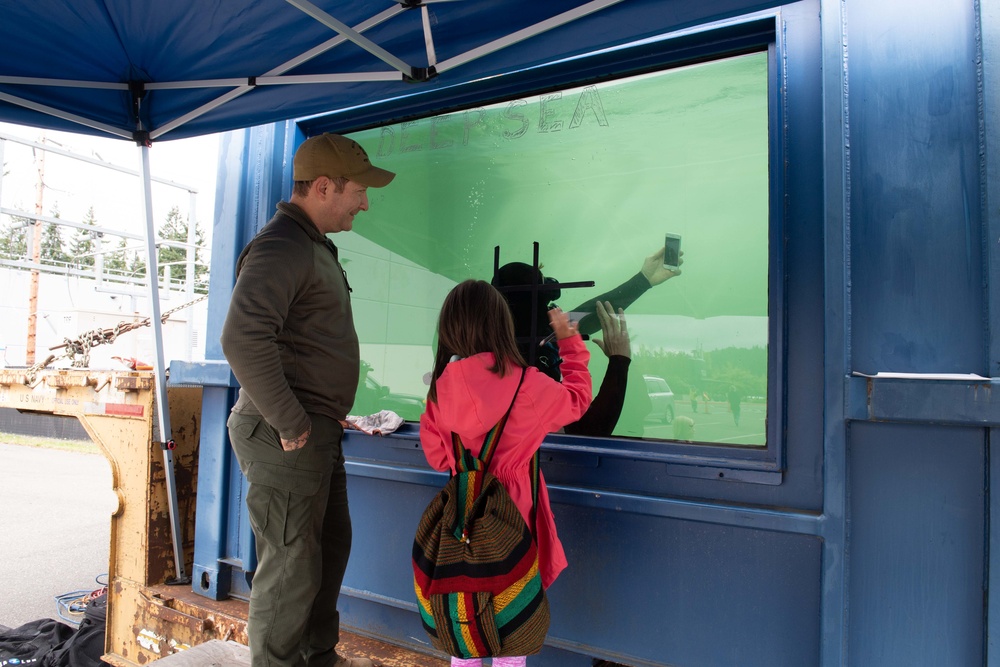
<point x="192" y="250"/>
<point x="36" y="255"/>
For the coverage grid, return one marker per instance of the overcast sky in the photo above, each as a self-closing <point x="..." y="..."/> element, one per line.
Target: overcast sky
<point x="73" y="186"/>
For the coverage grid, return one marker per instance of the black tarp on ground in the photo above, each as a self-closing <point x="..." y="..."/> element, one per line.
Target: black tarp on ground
<point x="50" y="643"/>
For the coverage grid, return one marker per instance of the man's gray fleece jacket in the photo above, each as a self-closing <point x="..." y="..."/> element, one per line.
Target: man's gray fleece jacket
<point x="289" y="334"/>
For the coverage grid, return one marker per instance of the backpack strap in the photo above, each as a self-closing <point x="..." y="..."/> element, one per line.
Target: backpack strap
<point x="492" y="438"/>
<point x="490" y="443"/>
<point x="466" y="462"/>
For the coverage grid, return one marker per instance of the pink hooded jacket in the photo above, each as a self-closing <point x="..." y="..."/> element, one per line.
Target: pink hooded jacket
<point x="471" y="400"/>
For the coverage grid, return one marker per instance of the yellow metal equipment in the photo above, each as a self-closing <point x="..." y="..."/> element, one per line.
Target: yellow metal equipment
<point x="148" y="619"/>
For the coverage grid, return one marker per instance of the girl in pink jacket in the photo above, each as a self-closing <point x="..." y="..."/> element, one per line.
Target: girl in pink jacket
<point x="476" y="372"/>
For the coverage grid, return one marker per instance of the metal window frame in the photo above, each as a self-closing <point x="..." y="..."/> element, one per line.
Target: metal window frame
<point x="757" y="32"/>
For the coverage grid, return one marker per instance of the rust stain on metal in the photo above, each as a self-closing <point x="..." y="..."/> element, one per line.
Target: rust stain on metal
<point x="179" y="617"/>
<point x="165" y="610"/>
<point x="385" y="654"/>
<point x="64" y="381"/>
<point x="133" y="383"/>
<point x="8" y="378"/>
<point x="115" y="661"/>
<point x="170" y="619"/>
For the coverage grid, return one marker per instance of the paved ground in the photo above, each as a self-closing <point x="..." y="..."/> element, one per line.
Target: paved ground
<point x="55" y="509"/>
<point x="714" y="423"/>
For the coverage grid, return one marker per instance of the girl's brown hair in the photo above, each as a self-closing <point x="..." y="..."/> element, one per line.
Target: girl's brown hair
<point x="475" y="318"/>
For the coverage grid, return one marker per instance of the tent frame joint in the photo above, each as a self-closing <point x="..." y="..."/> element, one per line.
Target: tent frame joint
<point x="420" y="74"/>
<point x="137" y="89"/>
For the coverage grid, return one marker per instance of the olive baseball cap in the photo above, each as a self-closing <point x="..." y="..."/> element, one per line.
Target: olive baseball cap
<point x="333" y="155"/>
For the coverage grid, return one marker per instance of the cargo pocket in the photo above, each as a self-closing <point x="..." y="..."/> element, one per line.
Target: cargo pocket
<point x="258" y="507"/>
<point x="252" y="439"/>
<point x="243" y="425"/>
<point x="287" y="507"/>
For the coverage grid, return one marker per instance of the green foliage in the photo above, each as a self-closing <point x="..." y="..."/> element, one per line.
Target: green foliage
<point x="118" y="259"/>
<point x="175" y="228"/>
<point x="125" y="260"/>
<point x="52" y="244"/>
<point x="740" y="367"/>
<point x="710" y="372"/>
<point x="137" y="265"/>
<point x="87" y="446"/>
<point x="14" y="238"/>
<point x="82" y="245"/>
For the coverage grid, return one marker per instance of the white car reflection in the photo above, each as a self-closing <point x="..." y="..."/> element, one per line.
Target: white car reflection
<point x="661" y="397"/>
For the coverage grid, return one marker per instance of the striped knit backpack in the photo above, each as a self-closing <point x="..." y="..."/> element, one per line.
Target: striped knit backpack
<point x="475" y="563"/>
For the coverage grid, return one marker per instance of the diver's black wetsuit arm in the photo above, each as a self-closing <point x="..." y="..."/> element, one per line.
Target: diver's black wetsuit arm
<point x="622" y="297"/>
<point x="602" y="415"/>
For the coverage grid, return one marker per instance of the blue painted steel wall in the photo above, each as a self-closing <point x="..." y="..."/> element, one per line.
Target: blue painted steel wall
<point x="916" y="221"/>
<point x="252" y="178"/>
<point x="917" y="508"/>
<point x="917" y="494"/>
<point x="869" y="546"/>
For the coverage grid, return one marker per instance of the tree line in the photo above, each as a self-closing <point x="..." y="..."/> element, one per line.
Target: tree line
<point x="82" y="247"/>
<point x="713" y="372"/>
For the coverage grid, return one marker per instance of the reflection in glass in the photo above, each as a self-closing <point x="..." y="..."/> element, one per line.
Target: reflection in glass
<point x="598" y="175"/>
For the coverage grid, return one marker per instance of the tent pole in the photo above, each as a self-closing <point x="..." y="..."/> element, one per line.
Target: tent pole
<point x="189" y="269"/>
<point x="351" y="34"/>
<point x="428" y="36"/>
<point x="524" y="33"/>
<point x="65" y="115"/>
<point x="289" y="65"/>
<point x="162" y="408"/>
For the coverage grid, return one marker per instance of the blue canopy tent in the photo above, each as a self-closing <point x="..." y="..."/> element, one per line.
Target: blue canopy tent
<point x="155" y="71"/>
<point x="158" y="71"/>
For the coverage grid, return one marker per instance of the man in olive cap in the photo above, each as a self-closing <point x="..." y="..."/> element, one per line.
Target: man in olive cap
<point x="289" y="338"/>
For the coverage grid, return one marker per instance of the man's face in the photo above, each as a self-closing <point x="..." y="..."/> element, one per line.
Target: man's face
<point x="339" y="208"/>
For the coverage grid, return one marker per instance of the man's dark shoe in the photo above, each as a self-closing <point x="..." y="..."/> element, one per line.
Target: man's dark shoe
<point x="352" y="662"/>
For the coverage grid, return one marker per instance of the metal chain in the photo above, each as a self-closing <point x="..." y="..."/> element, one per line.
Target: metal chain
<point x="163" y="318"/>
<point x="31" y="374"/>
<point x="81" y="346"/>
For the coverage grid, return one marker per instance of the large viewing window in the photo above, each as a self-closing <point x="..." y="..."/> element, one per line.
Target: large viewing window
<point x="597" y="175"/>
